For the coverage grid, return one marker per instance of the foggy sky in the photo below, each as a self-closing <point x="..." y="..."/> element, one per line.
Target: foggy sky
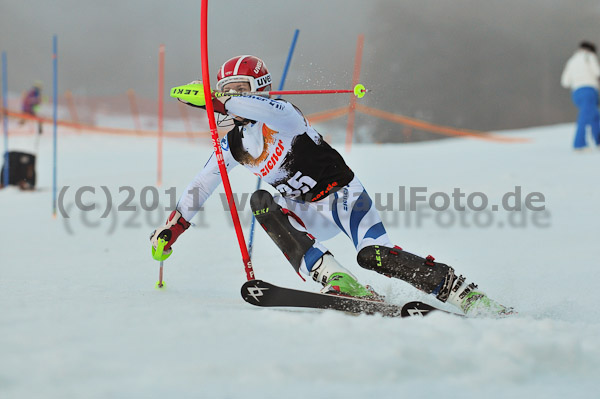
<point x="492" y="64"/>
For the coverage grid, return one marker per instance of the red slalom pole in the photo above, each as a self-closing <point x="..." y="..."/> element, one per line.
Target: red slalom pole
<point x="216" y="142"/>
<point x="135" y="112"/>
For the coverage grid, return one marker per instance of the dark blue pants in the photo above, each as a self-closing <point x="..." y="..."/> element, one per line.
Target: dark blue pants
<point x="586" y="100"/>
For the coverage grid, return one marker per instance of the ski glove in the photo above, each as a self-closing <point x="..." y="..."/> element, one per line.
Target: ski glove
<point x="199" y="101"/>
<point x="173" y="228"/>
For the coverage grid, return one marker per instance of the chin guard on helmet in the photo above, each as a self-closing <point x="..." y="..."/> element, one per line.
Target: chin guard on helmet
<point x="225" y="120"/>
<point x="229" y="121"/>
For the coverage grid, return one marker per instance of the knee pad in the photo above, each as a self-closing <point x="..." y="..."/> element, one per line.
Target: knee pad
<point x="275" y="221"/>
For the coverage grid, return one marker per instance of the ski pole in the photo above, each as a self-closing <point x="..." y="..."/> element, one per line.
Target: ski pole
<point x="359" y="91"/>
<point x="158" y="254"/>
<point x="193" y="93"/>
<point x="160" y="283"/>
<point x="281" y="84"/>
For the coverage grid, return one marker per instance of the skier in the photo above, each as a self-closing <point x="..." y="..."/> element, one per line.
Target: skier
<point x="31" y="103"/>
<point x="32" y="99"/>
<point x="318" y="192"/>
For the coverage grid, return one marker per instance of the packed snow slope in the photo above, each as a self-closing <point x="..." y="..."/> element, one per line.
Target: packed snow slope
<point x="81" y="317"/>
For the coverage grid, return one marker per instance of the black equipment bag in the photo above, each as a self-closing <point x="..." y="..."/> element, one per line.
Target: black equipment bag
<point x="21" y="170"/>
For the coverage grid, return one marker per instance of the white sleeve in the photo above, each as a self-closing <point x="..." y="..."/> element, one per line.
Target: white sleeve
<point x="277" y="114"/>
<point x="565" y="79"/>
<point x="205" y="183"/>
<point x="595" y="67"/>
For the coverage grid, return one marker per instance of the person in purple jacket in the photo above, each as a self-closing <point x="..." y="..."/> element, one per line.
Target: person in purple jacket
<point x="31" y="103"/>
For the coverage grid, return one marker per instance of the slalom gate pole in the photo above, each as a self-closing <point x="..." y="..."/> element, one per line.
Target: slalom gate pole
<point x="281" y="84"/>
<point x="135" y="113"/>
<point x="355" y="77"/>
<point x="5" y="116"/>
<point x="216" y="142"/>
<point x="289" y="59"/>
<point x="54" y="119"/>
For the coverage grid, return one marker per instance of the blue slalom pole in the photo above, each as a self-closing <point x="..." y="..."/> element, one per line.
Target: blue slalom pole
<point x="5" y="116"/>
<point x="55" y="117"/>
<point x="281" y="84"/>
<point x="289" y="60"/>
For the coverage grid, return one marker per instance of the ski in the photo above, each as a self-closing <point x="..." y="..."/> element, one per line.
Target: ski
<point x="264" y="294"/>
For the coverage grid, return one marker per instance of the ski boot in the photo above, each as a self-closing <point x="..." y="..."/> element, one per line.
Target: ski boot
<point x="431" y="277"/>
<point x="474" y="302"/>
<point x="336" y="280"/>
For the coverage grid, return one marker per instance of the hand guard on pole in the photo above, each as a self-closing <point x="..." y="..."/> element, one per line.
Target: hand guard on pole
<point x="193" y="96"/>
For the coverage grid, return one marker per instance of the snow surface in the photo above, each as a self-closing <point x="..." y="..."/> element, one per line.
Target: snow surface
<point x="81" y="317"/>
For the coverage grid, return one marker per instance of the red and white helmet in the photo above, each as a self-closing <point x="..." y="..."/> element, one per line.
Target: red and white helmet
<point x="245" y="68"/>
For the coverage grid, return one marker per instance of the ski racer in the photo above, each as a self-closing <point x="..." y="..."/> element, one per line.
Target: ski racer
<point x="319" y="196"/>
<point x="32" y="99"/>
<point x="31" y="103"/>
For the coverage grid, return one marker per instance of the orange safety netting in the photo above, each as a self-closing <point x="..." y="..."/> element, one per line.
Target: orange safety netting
<point x="104" y="129"/>
<point x="430" y="127"/>
<point x="313" y="118"/>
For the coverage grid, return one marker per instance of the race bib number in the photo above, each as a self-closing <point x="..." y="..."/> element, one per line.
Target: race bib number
<point x="297" y="185"/>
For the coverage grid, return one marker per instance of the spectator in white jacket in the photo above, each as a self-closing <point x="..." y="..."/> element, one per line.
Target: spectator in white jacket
<point x="581" y="75"/>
